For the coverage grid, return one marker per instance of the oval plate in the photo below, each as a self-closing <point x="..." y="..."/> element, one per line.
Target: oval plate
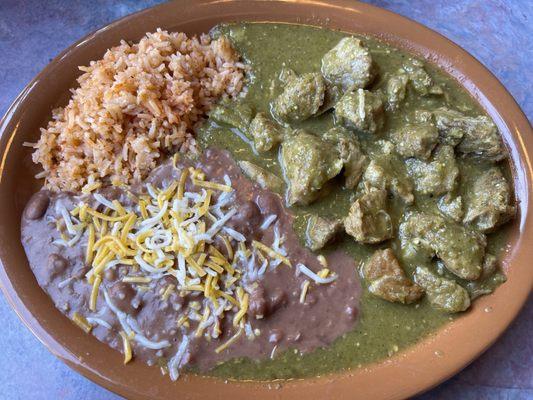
<point x="418" y="368"/>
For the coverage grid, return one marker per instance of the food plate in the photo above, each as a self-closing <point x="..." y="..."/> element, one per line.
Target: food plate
<point x="411" y="371"/>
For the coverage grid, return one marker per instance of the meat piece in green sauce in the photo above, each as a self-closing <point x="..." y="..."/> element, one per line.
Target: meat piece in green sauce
<point x="360" y="110"/>
<point x="416" y="140"/>
<point x="451" y="206"/>
<point x="321" y="231"/>
<point x="420" y="79"/>
<point x="387" y="171"/>
<point x="425" y="235"/>
<point x="368" y="220"/>
<point x="348" y="64"/>
<point x="474" y="136"/>
<point x="265" y="133"/>
<point x="301" y="98"/>
<point x="263" y="178"/>
<point x="490" y="278"/>
<point x="436" y="176"/>
<point x="386" y="279"/>
<point x="353" y="159"/>
<point x="489" y="201"/>
<point x="308" y="162"/>
<point x="443" y="294"/>
<point x="396" y="90"/>
<point x="237" y="115"/>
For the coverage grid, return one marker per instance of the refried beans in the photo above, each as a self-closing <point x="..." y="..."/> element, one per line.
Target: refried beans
<point x="294" y="299"/>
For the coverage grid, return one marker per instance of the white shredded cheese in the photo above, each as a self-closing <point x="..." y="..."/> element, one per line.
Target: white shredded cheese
<point x="268" y="221"/>
<point x="175" y="362"/>
<point x="317" y="279"/>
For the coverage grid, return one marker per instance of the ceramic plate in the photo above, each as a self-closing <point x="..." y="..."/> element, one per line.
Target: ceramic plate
<point x="412" y="371"/>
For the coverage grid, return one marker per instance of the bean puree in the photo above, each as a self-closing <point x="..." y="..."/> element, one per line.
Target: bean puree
<point x="277" y="316"/>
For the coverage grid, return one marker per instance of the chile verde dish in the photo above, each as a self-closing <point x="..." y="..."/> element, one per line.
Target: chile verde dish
<point x="339" y="201"/>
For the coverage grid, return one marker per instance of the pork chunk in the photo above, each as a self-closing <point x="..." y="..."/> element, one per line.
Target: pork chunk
<point x="368" y="221"/>
<point x="436" y="176"/>
<point x="308" y="162"/>
<point x="237" y="115"/>
<point x="451" y="206"/>
<point x="462" y="250"/>
<point x="489" y="202"/>
<point x="443" y="294"/>
<point x="416" y="140"/>
<point x="396" y="90"/>
<point x="387" y="280"/>
<point x="348" y="64"/>
<point x="320" y="231"/>
<point x="387" y="171"/>
<point x="474" y="136"/>
<point x="301" y="98"/>
<point x="265" y="133"/>
<point x="420" y="79"/>
<point x="491" y="277"/>
<point x="353" y="159"/>
<point x="360" y="110"/>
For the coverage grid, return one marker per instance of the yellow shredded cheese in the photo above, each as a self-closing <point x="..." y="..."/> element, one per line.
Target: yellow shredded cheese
<point x="200" y="328"/>
<point x="105" y="217"/>
<point x="323" y="273"/>
<point x="89" y="253"/>
<point x="119" y="207"/>
<point x="243" y="309"/>
<point x="91" y="187"/>
<point x="207" y="286"/>
<point x="128" y="354"/>
<point x="212" y="185"/>
<point x="82" y="322"/>
<point x="205" y="207"/>
<point x="303" y="294"/>
<point x="181" y="184"/>
<point x="168" y="291"/>
<point x="272" y="253"/>
<point x="214" y="267"/>
<point x="114" y="239"/>
<point x="94" y="292"/>
<point x="83" y="212"/>
<point x="229" y="249"/>
<point x="194" y="288"/>
<point x="196" y="266"/>
<point x="227" y="297"/>
<point x="230" y="341"/>
<point x="183" y="320"/>
<point x="137" y="279"/>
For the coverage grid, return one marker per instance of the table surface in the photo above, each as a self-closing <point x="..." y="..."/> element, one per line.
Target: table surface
<point x="497" y="32"/>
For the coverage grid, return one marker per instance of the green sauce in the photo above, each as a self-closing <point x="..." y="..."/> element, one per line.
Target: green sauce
<point x="384" y="328"/>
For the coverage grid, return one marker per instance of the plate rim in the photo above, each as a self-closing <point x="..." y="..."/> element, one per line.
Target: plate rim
<point x="313" y="386"/>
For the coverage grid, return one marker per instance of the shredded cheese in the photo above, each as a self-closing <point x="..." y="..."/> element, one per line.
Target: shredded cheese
<point x="173" y="232"/>
<point x="128" y="354"/>
<point x="305" y="288"/>
<point x="90" y="246"/>
<point x="82" y="322"/>
<point x="94" y="293"/>
<point x="316" y="278"/>
<point x="212" y="185"/>
<point x="230" y="341"/>
<point x="137" y="279"/>
<point x="272" y="253"/>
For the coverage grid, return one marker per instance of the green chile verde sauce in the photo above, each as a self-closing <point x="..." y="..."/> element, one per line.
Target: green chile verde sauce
<point x="384" y="328"/>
